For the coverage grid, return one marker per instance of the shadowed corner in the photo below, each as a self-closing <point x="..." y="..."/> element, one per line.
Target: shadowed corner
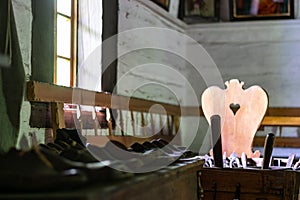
<point x="13" y="79"/>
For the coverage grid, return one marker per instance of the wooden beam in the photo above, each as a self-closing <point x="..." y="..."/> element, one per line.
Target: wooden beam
<point x="45" y="92"/>
<point x="283" y="111"/>
<point x="280" y="121"/>
<point x="291" y="142"/>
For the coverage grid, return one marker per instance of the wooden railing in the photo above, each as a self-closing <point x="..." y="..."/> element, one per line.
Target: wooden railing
<point x="54" y="97"/>
<point x="58" y="95"/>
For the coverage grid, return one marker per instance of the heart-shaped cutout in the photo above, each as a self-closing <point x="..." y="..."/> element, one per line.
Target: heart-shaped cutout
<point x="234" y="107"/>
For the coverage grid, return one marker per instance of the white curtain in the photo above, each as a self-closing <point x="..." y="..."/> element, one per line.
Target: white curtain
<point x="89" y="44"/>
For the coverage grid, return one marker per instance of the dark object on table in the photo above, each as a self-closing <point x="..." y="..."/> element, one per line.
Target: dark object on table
<point x="217" y="140"/>
<point x="137" y="147"/>
<point x="268" y="149"/>
<point x="24" y="171"/>
<point x="70" y="134"/>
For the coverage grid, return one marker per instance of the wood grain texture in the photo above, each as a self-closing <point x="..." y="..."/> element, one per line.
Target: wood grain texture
<point x="174" y="183"/>
<point x="45" y="92"/>
<point x="237" y="129"/>
<point x="177" y="181"/>
<point x="254" y="184"/>
<point x="58" y="119"/>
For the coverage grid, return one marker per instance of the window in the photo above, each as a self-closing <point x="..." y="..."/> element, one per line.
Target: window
<point x="86" y="32"/>
<point x="65" y="43"/>
<point x="78" y="51"/>
<point x="78" y="39"/>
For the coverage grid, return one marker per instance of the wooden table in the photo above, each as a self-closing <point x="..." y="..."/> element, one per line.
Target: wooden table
<point x="177" y="181"/>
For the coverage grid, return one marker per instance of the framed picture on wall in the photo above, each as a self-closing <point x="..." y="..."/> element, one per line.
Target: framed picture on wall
<point x="261" y="9"/>
<point x="198" y="11"/>
<point x="163" y="3"/>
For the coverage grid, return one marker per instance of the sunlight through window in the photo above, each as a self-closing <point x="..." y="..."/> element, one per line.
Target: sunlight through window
<point x="65" y="65"/>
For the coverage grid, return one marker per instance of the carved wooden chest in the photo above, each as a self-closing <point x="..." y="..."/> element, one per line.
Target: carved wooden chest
<point x="248" y="184"/>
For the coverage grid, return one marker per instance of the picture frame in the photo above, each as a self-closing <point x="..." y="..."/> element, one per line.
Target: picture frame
<point x="165" y="4"/>
<point x="261" y="9"/>
<point x="200" y="11"/>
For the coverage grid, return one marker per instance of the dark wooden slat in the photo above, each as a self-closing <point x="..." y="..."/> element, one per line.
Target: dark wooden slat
<point x="279" y="142"/>
<point x="283" y="112"/>
<point x="40" y="115"/>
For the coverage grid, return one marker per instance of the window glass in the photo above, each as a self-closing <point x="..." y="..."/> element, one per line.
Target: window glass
<point x="63" y="36"/>
<point x="63" y="72"/>
<point x="64" y="7"/>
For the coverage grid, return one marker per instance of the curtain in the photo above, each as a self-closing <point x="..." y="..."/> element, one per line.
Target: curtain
<point x="89" y="44"/>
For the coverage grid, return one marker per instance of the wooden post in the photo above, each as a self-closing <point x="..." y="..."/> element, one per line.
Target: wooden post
<point x="58" y="120"/>
<point x="176" y="123"/>
<point x="169" y="126"/>
<point x="132" y="122"/>
<point x="121" y="122"/>
<point x="152" y="124"/>
<point x="109" y="121"/>
<point x="161" y="125"/>
<point x="143" y="124"/>
<point x="96" y="122"/>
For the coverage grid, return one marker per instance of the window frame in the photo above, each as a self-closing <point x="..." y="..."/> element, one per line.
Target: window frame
<point x="73" y="43"/>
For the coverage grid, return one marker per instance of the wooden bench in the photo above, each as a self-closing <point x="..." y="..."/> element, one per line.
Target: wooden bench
<point x="47" y="97"/>
<point x="54" y="97"/>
